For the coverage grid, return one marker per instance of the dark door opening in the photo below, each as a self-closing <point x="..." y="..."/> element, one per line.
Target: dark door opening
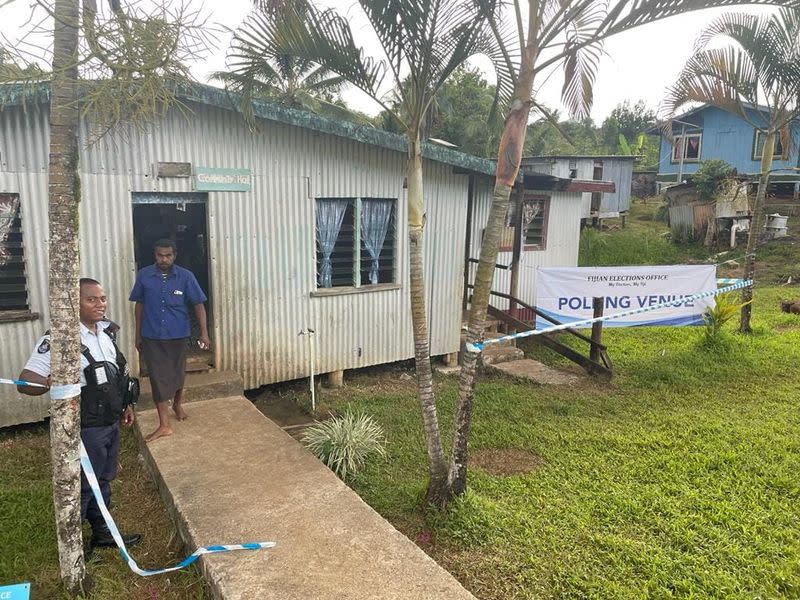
<point x="182" y="218"/>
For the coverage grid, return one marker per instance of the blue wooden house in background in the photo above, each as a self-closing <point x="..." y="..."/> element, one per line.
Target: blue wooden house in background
<point x="708" y="132"/>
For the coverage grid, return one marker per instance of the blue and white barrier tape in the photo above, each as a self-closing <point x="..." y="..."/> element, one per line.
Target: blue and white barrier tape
<point x="478" y="346"/>
<point x="88" y="471"/>
<point x="20" y="382"/>
<point x="728" y="281"/>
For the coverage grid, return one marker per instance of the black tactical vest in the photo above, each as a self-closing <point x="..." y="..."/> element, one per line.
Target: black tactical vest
<point x="103" y="396"/>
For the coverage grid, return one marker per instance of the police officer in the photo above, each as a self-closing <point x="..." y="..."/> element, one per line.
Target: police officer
<point x="104" y="401"/>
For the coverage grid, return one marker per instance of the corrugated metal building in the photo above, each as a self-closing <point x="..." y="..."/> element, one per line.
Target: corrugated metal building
<point x="254" y="250"/>
<point x="548" y="231"/>
<point x="600" y="205"/>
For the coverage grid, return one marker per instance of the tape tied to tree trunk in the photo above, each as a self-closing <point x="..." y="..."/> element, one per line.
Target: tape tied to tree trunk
<point x="478" y="346"/>
<point x="62" y="392"/>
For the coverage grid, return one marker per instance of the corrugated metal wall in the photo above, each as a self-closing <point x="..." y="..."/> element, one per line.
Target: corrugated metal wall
<point x="261" y="243"/>
<point x="563" y="235"/>
<point x="620" y="171"/>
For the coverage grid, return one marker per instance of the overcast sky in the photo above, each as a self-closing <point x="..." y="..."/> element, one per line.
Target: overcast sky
<point x="638" y="65"/>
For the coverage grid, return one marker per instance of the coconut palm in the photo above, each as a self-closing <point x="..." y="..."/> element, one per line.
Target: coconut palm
<point x="422" y="43"/>
<point x="429" y="39"/>
<point x="259" y="67"/>
<point x="757" y="77"/>
<point x="558" y="34"/>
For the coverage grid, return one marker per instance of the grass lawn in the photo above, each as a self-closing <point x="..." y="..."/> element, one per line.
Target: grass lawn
<point x="679" y="479"/>
<point x="27" y="531"/>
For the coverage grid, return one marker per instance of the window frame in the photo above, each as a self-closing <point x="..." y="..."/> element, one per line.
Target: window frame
<point x="17" y="313"/>
<point x="783" y="155"/>
<point x="358" y="286"/>
<point x="676" y="160"/>
<point x="541" y="247"/>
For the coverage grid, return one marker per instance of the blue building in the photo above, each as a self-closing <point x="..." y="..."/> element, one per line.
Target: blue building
<point x="708" y="132"/>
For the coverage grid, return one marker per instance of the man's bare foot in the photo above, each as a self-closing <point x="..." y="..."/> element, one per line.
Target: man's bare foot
<point x="180" y="414"/>
<point x="159" y="433"/>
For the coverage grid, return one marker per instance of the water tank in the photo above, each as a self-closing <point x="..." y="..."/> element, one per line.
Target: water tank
<point x="776" y="225"/>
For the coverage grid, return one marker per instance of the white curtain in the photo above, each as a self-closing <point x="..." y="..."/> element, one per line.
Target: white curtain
<point x="330" y="214"/>
<point x="375" y="216"/>
<point x="530" y="210"/>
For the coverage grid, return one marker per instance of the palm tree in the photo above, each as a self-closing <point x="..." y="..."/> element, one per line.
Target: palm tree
<point x="561" y="34"/>
<point x="760" y="69"/>
<point x="425" y="41"/>
<point x="260" y="67"/>
<point x="429" y="39"/>
<point x="145" y="56"/>
<point x="64" y="196"/>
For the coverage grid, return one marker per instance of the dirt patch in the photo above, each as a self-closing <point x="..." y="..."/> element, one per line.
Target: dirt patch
<point x="504" y="462"/>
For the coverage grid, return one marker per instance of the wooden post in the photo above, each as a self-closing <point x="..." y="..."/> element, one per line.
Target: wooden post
<point x="468" y="241"/>
<point x="597" y="328"/>
<point x="516" y="251"/>
<point x="335" y="379"/>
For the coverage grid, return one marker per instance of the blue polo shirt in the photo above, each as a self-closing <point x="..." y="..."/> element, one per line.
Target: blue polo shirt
<point x="166" y="301"/>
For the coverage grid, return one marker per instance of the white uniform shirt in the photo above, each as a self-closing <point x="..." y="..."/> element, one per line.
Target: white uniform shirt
<point x="99" y="344"/>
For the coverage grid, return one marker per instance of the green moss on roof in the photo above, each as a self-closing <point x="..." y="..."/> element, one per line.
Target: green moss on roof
<point x="17" y="94"/>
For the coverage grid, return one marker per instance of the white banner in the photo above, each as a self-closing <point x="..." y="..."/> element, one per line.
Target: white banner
<point x="565" y="293"/>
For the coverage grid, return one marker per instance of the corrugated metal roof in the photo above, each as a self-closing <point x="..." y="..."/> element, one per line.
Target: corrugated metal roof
<point x="563" y="156"/>
<point x="16" y="94"/>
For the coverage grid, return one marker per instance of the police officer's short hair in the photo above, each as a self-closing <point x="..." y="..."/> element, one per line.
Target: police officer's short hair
<point x="88" y="281"/>
<point x="165" y="243"/>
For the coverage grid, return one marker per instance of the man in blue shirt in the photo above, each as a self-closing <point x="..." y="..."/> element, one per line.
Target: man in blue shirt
<point x="163" y="294"/>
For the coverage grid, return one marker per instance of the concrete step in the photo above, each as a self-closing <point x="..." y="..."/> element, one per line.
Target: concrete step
<point x="496" y="354"/>
<point x="230" y="475"/>
<point x="490" y="325"/>
<point x="198" y="386"/>
<point x="532" y="370"/>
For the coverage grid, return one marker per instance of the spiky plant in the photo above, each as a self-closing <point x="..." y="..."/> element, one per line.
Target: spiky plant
<point x="724" y="309"/>
<point x="345" y="443"/>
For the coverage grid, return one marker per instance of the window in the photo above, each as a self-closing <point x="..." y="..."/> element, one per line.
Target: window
<point x="758" y="146"/>
<point x="355" y="241"/>
<point x="691" y="150"/>
<point x="535" y="212"/>
<point x="13" y="290"/>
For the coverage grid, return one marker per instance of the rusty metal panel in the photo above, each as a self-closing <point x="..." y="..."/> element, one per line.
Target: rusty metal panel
<point x="703" y="213"/>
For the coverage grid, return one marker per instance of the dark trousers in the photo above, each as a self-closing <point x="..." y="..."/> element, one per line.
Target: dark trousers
<point x="102" y="446"/>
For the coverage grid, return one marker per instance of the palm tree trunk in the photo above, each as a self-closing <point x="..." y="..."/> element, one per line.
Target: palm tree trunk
<point x="437" y="486"/>
<point x="509" y="157"/>
<point x="756" y="232"/>
<point x="64" y="194"/>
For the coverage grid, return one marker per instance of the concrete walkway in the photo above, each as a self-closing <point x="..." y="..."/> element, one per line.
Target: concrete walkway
<point x="230" y="475"/>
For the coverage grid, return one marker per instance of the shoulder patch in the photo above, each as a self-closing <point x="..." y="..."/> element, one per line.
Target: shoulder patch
<point x="44" y="347"/>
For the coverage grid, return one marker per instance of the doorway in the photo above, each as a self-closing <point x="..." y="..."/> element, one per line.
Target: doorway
<point x="182" y="218"/>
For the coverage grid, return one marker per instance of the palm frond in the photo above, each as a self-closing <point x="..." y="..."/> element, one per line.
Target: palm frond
<point x="624" y="15"/>
<point x="724" y="77"/>
<point x="261" y="64"/>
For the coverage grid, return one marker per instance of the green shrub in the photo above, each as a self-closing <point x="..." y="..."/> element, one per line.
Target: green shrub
<point x="344" y="443"/>
<point x="709" y="177"/>
<point x="723" y="311"/>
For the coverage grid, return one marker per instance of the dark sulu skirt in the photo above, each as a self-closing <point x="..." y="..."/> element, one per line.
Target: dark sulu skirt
<point x="166" y="366"/>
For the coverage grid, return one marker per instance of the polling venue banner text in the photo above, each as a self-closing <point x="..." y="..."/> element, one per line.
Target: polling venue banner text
<point x="565" y="293"/>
